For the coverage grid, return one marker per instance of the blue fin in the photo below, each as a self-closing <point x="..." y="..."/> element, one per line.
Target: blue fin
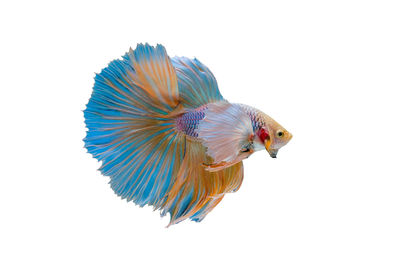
<point x="128" y="130"/>
<point x="197" y="85"/>
<point x="132" y="130"/>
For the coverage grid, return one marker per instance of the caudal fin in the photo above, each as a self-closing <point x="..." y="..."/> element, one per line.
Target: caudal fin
<point x="129" y="130"/>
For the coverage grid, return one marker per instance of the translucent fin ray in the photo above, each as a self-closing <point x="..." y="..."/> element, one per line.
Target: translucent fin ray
<point x="197" y="191"/>
<point x="197" y="85"/>
<point x="131" y="121"/>
<point x="127" y="126"/>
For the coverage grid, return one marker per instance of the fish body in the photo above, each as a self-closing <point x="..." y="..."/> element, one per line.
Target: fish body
<point x="166" y="137"/>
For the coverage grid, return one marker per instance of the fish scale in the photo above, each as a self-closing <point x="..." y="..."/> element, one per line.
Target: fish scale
<point x="256" y="116"/>
<point x="188" y="123"/>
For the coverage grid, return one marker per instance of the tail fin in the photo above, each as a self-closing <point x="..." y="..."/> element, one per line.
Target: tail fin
<point x="129" y="130"/>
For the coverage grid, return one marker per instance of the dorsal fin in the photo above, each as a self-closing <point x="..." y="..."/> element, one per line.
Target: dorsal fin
<point x="197" y="85"/>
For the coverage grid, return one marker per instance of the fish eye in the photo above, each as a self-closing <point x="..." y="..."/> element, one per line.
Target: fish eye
<point x="280" y="133"/>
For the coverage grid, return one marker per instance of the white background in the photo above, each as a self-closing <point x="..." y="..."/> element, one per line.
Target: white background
<point x="326" y="70"/>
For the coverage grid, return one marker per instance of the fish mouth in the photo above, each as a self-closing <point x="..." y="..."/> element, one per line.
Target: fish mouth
<point x="272" y="152"/>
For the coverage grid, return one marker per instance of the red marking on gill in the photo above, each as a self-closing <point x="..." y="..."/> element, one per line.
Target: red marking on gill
<point x="262" y="133"/>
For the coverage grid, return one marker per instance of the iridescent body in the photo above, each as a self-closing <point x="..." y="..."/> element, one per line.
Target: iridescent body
<point x="167" y="138"/>
<point x="188" y="123"/>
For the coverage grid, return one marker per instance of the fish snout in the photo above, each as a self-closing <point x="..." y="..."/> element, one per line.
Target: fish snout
<point x="273" y="153"/>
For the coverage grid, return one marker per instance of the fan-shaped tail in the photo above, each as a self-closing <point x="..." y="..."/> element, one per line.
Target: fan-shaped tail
<point x="128" y="125"/>
<point x="132" y="130"/>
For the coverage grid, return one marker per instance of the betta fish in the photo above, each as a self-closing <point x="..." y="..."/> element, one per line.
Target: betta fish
<point x="167" y="138"/>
